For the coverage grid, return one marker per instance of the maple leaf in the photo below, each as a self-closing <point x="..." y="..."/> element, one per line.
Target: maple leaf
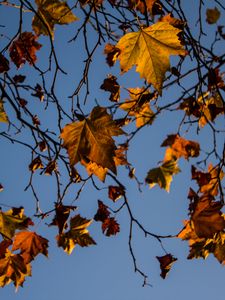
<point x="13" y="268"/>
<point x="24" y="49"/>
<point x="102" y="213"/>
<point x="91" y="138"/>
<point x="12" y="220"/>
<point x="166" y="262"/>
<point x="140" y="6"/>
<point x="163" y="175"/>
<point x="4" y="245"/>
<point x="212" y="15"/>
<point x="19" y="78"/>
<point x="207" y="217"/>
<point x="110" y="227"/>
<point x="111" y="53"/>
<point x="115" y="192"/>
<point x="179" y="147"/>
<point x="3" y="115"/>
<point x="111" y="85"/>
<point x="77" y="235"/>
<point x="215" y="80"/>
<point x="39" y="93"/>
<point x="4" y="64"/>
<point x="36" y="164"/>
<point x="209" y="181"/>
<point x="30" y="244"/>
<point x="138" y="106"/>
<point x="50" y="13"/>
<point x="172" y="21"/>
<point x="51" y="167"/>
<point x="150" y="49"/>
<point x="62" y="213"/>
<point x="210" y="107"/>
<point x="93" y="168"/>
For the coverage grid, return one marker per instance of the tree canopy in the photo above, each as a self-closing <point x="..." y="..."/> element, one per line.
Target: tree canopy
<point x="77" y="98"/>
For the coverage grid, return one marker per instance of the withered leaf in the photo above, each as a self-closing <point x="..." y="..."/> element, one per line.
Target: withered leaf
<point x="39" y="93"/>
<point x="51" y="167"/>
<point x="138" y="106"/>
<point x="92" y="139"/>
<point x="166" y="262"/>
<point x="110" y="227"/>
<point x="207" y="217"/>
<point x="4" y="245"/>
<point x="76" y="235"/>
<point x="12" y="220"/>
<point x="180" y="147"/>
<point x="163" y="175"/>
<point x="111" y="85"/>
<point x="212" y="15"/>
<point x="24" y="49"/>
<point x="102" y="212"/>
<point x="62" y="213"/>
<point x="13" y="268"/>
<point x="36" y="164"/>
<point x="115" y="192"/>
<point x="49" y="14"/>
<point x="19" y="78"/>
<point x="3" y="115"/>
<point x="4" y="64"/>
<point x="111" y="52"/>
<point x="30" y="244"/>
<point x="208" y="181"/>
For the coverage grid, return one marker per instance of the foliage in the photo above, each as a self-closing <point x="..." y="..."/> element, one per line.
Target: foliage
<point x="83" y="143"/>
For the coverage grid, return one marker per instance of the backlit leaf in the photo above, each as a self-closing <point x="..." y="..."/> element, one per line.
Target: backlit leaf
<point x="102" y="213"/>
<point x="13" y="268"/>
<point x="3" y="115"/>
<point x="166" y="262"/>
<point x="180" y="147"/>
<point x="110" y="227"/>
<point x="12" y="220"/>
<point x="212" y="15"/>
<point x="30" y="244"/>
<point x="149" y="49"/>
<point x="138" y="106"/>
<point x="4" y="64"/>
<point x="92" y="139"/>
<point x="111" y="85"/>
<point x="163" y="175"/>
<point x="50" y="13"/>
<point x="77" y="235"/>
<point x="24" y="49"/>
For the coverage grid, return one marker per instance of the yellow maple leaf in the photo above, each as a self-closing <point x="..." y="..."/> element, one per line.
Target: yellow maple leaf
<point x="3" y="115"/>
<point x="163" y="175"/>
<point x="50" y="13"/>
<point x="180" y="147"/>
<point x="76" y="235"/>
<point x="150" y="49"/>
<point x="138" y="106"/>
<point x="12" y="220"/>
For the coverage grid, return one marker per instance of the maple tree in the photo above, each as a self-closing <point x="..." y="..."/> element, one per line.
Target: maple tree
<point x="81" y="142"/>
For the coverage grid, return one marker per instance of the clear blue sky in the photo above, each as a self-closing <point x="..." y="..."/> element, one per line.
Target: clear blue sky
<point x="105" y="271"/>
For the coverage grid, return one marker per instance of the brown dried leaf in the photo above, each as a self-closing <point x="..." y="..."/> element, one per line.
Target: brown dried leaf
<point x="166" y="262"/>
<point x="24" y="49"/>
<point x="110" y="227"/>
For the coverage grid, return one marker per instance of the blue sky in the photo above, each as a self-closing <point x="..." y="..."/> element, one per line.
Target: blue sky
<point x="105" y="271"/>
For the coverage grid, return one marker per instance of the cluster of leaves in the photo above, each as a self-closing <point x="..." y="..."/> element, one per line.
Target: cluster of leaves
<point x="151" y="35"/>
